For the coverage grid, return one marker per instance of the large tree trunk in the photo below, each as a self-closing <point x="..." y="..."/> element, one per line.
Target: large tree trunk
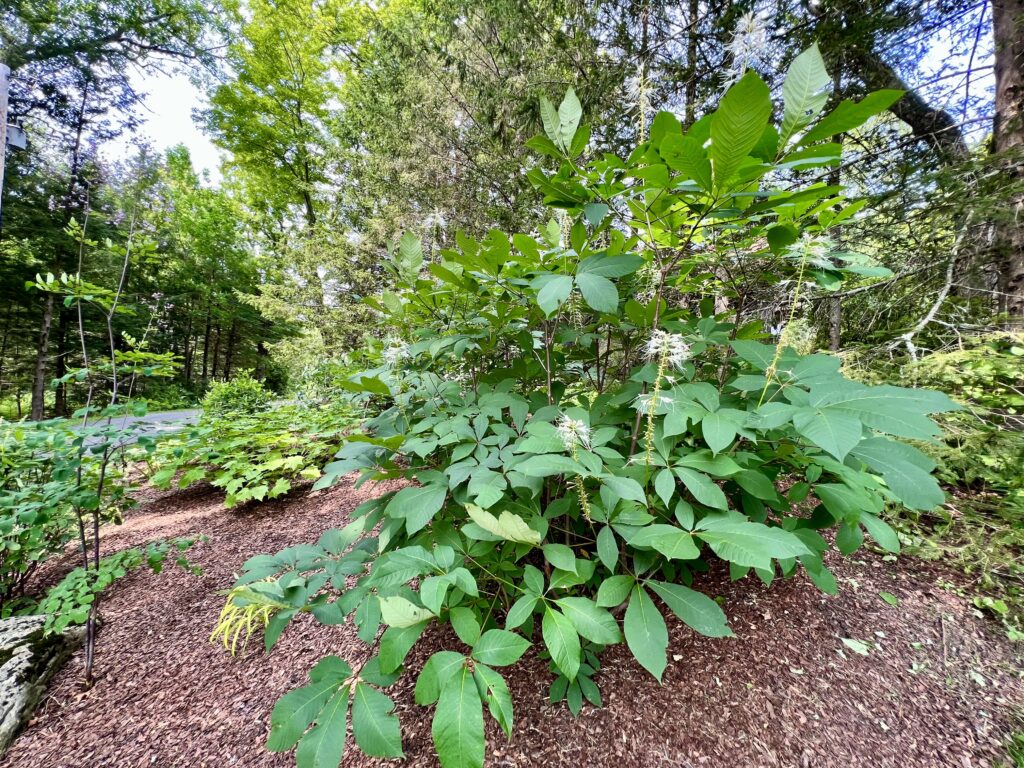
<point x="42" y="352"/>
<point x="1008" y="142"/>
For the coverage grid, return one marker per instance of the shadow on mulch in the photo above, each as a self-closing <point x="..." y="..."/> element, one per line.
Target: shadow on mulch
<point x="939" y="686"/>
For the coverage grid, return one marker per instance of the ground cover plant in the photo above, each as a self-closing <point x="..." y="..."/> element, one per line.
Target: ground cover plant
<point x="585" y="429"/>
<point x="252" y="456"/>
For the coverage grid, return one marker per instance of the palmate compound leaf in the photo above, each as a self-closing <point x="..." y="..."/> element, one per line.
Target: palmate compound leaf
<point x="417" y="505"/>
<point x="294" y="711"/>
<point x="506" y="525"/>
<point x="458" y="725"/>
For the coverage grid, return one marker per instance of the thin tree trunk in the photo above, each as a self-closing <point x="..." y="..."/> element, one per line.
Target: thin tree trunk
<point x="228" y="358"/>
<point x="1008" y="142"/>
<point x="216" y="353"/>
<point x="42" y="351"/>
<point x="60" y="405"/>
<point x="206" y="347"/>
<point x="691" y="64"/>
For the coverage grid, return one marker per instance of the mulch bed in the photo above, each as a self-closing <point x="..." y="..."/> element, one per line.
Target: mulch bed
<point x="939" y="687"/>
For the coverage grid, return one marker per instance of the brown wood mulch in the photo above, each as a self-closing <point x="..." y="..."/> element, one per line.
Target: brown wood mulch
<point x="938" y="687"/>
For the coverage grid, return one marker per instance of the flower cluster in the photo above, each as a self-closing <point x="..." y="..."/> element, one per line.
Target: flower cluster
<point x="670" y="349"/>
<point x="748" y="45"/>
<point x="395" y="352"/>
<point x="573" y="432"/>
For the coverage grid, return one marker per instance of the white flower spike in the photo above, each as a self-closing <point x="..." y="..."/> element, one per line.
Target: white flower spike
<point x="573" y="432"/>
<point x="671" y="347"/>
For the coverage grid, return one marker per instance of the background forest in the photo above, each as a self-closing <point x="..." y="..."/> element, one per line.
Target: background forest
<point x="344" y="125"/>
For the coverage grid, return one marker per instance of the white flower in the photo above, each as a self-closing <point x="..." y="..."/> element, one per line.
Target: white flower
<point x="748" y="45"/>
<point x="643" y="403"/>
<point x="670" y="345"/>
<point x="394" y="352"/>
<point x="573" y="432"/>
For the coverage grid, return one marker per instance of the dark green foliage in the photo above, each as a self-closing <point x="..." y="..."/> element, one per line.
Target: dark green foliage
<point x="579" y="446"/>
<point x="70" y="601"/>
<point x="254" y="456"/>
<point x="240" y="396"/>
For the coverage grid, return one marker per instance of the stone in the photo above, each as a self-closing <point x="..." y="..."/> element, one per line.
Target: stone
<point x="28" y="659"/>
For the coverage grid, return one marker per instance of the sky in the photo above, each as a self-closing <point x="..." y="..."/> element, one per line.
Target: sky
<point x="167" y="112"/>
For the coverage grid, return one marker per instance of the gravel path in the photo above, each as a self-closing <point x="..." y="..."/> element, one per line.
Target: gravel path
<point x="940" y="687"/>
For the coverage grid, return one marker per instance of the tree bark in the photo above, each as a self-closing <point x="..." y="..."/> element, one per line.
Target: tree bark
<point x="206" y="347"/>
<point x="42" y="351"/>
<point x="229" y="355"/>
<point x="60" y="396"/>
<point x="216" y="353"/>
<point x="1008" y="143"/>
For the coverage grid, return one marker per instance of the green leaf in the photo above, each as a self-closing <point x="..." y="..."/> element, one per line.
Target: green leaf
<point x="562" y="642"/>
<point x="549" y="464"/>
<point x="881" y="532"/>
<point x="906" y="471"/>
<point x="695" y="609"/>
<point x="686" y="155"/>
<point x="850" y="114"/>
<point x="499" y="647"/>
<point x="614" y="590"/>
<point x="560" y="556"/>
<point x="719" y="430"/>
<point x="831" y="429"/>
<point x="737" y="125"/>
<point x="604" y="265"/>
<point x="598" y="292"/>
<point x="395" y="644"/>
<point x="570" y="111"/>
<point x="665" y="485"/>
<point x="417" y="505"/>
<point x="458" y="725"/>
<point x="554" y="293"/>
<point x="324" y="744"/>
<point x="506" y="525"/>
<point x="465" y="624"/>
<point x="646" y="633"/>
<point x="435" y="673"/>
<point x="497" y="696"/>
<point x="625" y="488"/>
<point x="749" y="544"/>
<point x="804" y="92"/>
<point x="591" y="622"/>
<point x="376" y="730"/>
<point x="295" y="710"/>
<point x="702" y="488"/>
<point x="607" y="548"/>
<point x="549" y="116"/>
<point x="521" y="610"/>
<point x="398" y="612"/>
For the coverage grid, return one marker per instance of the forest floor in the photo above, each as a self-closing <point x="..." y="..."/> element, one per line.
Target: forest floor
<point x="939" y="685"/>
